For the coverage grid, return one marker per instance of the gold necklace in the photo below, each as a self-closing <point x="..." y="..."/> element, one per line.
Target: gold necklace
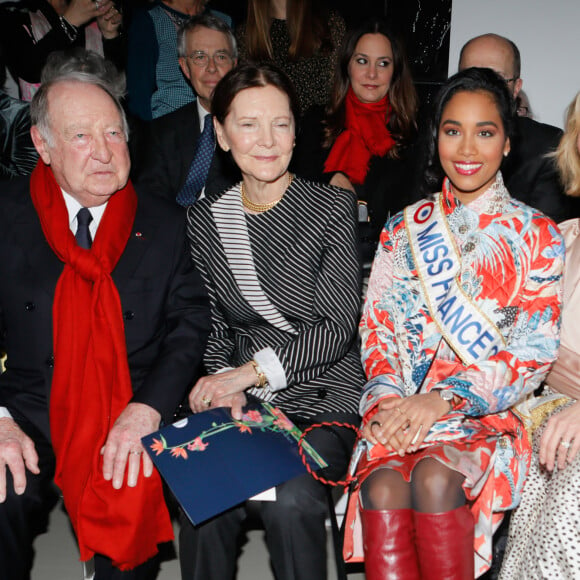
<point x="262" y="207"/>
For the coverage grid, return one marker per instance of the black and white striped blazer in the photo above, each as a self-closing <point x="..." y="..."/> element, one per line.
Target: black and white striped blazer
<point x="285" y="289"/>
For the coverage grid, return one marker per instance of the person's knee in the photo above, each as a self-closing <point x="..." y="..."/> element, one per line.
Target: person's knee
<point x="385" y="489"/>
<point x="436" y="488"/>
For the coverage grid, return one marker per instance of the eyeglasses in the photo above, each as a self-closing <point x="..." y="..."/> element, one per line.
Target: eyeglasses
<point x="512" y="80"/>
<point x="201" y="59"/>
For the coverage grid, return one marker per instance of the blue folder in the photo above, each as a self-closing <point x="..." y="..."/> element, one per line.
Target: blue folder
<point x="212" y="462"/>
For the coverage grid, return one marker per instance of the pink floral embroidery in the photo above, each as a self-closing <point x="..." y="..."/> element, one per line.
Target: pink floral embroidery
<point x="197" y="445"/>
<point x="254" y="416"/>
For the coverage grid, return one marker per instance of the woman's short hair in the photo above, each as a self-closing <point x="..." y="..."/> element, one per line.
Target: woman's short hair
<point x="402" y="94"/>
<point x="248" y="76"/>
<point x="470" y="80"/>
<point x="567" y="154"/>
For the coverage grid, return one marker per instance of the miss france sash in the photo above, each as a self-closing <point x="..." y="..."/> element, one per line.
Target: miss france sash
<point x="467" y="330"/>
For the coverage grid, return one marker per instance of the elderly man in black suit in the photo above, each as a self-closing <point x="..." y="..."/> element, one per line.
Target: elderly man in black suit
<point x="104" y="320"/>
<point x="182" y="162"/>
<point x="529" y="174"/>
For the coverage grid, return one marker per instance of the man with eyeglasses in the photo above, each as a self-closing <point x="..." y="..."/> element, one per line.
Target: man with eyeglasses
<point x="528" y="173"/>
<point x="182" y="162"/>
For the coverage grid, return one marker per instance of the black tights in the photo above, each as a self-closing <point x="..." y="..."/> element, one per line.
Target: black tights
<point x="434" y="488"/>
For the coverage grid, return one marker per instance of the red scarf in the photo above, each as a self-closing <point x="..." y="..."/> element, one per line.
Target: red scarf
<point x="91" y="384"/>
<point x="366" y="134"/>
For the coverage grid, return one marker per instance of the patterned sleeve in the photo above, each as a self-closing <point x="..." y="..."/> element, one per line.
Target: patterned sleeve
<point x="379" y="352"/>
<point x="504" y="379"/>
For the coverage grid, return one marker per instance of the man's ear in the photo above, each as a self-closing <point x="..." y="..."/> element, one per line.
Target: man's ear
<point x="40" y="144"/>
<point x="517" y="87"/>
<point x="183" y="67"/>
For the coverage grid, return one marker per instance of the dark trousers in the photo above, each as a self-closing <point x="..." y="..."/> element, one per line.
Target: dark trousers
<point x="294" y="523"/>
<point x="23" y="517"/>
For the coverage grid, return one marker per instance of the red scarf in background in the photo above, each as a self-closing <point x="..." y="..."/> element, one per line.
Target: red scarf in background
<point x="366" y="134"/>
<point x="91" y="384"/>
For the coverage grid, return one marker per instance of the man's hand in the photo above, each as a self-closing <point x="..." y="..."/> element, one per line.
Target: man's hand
<point x="123" y="448"/>
<point x="17" y="452"/>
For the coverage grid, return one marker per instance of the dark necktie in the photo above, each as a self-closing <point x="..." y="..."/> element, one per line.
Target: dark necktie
<point x="83" y="235"/>
<point x="199" y="167"/>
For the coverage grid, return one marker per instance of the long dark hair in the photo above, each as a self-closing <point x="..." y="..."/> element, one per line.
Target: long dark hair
<point x="402" y="94"/>
<point x="307" y="27"/>
<point x="471" y="80"/>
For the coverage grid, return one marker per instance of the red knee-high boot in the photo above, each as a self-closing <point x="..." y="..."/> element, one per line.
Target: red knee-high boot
<point x="445" y="544"/>
<point x="389" y="545"/>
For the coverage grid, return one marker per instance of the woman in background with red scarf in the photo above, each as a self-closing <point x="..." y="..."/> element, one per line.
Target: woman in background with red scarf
<point x="369" y="126"/>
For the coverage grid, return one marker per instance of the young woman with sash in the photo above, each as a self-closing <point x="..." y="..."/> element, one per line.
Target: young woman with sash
<point x="278" y="257"/>
<point x="460" y="325"/>
<point x="543" y="539"/>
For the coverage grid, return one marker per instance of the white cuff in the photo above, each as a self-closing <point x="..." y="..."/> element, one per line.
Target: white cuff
<point x="271" y="366"/>
<point x="224" y="370"/>
<point x="4" y="412"/>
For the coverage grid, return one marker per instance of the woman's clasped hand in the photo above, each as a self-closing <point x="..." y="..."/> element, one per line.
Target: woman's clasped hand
<point x="401" y="425"/>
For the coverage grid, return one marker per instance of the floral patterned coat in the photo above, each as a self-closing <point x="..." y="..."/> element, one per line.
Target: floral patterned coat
<point x="511" y="267"/>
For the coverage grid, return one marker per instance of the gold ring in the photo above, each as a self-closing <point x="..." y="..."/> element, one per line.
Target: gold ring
<point x="398" y="409"/>
<point x="206" y="401"/>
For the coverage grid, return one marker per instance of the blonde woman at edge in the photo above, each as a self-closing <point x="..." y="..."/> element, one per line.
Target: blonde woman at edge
<point x="544" y="541"/>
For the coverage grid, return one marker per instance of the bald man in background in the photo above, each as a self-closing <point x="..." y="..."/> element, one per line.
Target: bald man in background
<point x="529" y="174"/>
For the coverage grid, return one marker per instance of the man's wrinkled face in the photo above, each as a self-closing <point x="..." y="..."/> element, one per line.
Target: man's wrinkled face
<point x="87" y="150"/>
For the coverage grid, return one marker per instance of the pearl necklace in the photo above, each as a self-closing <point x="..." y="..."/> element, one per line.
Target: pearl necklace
<point x="262" y="207"/>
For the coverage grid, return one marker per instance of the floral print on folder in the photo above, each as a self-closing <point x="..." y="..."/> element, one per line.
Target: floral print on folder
<point x="240" y="458"/>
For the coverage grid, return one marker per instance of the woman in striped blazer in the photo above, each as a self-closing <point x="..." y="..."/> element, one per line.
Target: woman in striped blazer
<point x="279" y="259"/>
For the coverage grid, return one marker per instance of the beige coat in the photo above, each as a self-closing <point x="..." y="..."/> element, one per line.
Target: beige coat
<point x="565" y="374"/>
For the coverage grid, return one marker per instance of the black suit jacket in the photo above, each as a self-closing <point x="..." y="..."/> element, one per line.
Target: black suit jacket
<point x="164" y="304"/>
<point x="531" y="176"/>
<point x="169" y="153"/>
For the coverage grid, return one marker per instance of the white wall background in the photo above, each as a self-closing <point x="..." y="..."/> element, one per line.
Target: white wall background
<point x="547" y="32"/>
